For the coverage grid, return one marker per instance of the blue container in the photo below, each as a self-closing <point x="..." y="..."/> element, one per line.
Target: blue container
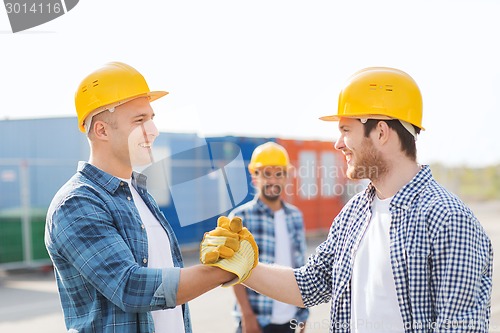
<point x="37" y="157"/>
<point x="194" y="180"/>
<point x="203" y="179"/>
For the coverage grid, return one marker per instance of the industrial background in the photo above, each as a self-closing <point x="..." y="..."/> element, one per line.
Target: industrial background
<point x="37" y="156"/>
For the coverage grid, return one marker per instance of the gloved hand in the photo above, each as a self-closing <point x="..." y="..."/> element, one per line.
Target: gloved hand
<point x="221" y="242"/>
<point x="218" y="249"/>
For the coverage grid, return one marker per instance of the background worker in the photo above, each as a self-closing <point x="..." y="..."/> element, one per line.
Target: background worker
<point x="278" y="229"/>
<point x="117" y="261"/>
<point x="405" y="255"/>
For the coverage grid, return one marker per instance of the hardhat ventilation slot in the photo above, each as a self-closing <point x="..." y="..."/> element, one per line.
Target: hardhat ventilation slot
<point x="388" y="87"/>
<point x="373" y="86"/>
<point x="95" y="83"/>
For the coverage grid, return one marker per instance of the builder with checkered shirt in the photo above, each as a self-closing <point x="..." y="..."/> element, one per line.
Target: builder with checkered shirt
<point x="404" y="255"/>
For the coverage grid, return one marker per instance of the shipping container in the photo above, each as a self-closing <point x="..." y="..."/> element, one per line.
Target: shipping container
<point x="317" y="182"/>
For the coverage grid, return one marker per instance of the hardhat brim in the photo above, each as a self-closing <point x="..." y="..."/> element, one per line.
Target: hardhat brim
<point x="154" y="95"/>
<point x="330" y="118"/>
<point x="335" y="117"/>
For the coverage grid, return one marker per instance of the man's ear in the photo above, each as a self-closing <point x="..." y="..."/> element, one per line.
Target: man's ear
<point x="383" y="132"/>
<point x="253" y="178"/>
<point x="100" y="130"/>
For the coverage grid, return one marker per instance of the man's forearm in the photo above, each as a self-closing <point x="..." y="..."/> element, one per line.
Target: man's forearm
<point x="197" y="280"/>
<point x="242" y="298"/>
<point x="277" y="282"/>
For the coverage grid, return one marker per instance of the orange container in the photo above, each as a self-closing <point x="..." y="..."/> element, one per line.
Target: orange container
<point x="317" y="185"/>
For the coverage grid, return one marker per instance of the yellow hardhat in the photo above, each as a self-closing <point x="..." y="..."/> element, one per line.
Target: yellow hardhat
<point x="109" y="86"/>
<point x="268" y="154"/>
<point x="380" y="93"/>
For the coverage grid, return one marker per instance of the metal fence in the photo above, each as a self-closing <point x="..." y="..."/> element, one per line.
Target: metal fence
<point x="26" y="188"/>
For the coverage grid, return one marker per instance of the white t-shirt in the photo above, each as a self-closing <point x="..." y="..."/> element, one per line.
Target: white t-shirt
<point x="282" y="312"/>
<point x="374" y="300"/>
<point x="160" y="256"/>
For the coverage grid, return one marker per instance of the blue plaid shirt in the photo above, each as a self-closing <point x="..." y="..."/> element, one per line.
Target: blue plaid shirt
<point x="99" y="248"/>
<point x="259" y="219"/>
<point x="441" y="260"/>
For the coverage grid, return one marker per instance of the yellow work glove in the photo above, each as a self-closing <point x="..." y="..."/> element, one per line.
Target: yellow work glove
<point x="221" y="242"/>
<point x="239" y="261"/>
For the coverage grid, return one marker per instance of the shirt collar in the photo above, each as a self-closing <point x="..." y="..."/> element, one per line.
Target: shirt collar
<point x="139" y="180"/>
<point x="109" y="182"/>
<point x="406" y="194"/>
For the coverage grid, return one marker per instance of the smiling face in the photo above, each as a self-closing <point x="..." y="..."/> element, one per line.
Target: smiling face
<point x="132" y="132"/>
<point x="364" y="160"/>
<point x="136" y="122"/>
<point x="140" y="143"/>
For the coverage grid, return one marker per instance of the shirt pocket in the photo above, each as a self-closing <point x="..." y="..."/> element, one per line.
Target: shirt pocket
<point x="420" y="286"/>
<point x="418" y="265"/>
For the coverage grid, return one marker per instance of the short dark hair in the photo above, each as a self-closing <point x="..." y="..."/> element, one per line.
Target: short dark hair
<point x="405" y="138"/>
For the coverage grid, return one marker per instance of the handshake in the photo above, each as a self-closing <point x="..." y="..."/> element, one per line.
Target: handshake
<point x="231" y="247"/>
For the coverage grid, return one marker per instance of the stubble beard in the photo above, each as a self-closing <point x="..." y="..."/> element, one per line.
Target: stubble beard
<point x="369" y="163"/>
<point x="276" y="192"/>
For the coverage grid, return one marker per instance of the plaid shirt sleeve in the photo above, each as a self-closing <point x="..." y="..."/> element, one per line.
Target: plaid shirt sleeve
<point x="85" y="235"/>
<point x="444" y="276"/>
<point x="462" y="268"/>
<point x="315" y="277"/>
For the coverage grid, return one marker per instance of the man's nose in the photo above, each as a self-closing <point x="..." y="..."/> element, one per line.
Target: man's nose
<point x="339" y="144"/>
<point x="150" y="128"/>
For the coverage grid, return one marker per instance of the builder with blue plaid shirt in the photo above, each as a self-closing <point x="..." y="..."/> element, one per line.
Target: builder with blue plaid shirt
<point x="278" y="229"/>
<point x="404" y="255"/>
<point x="117" y="262"/>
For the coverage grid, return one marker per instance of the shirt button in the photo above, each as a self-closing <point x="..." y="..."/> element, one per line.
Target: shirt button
<point x="142" y="226"/>
<point x="144" y="260"/>
<point x="128" y="198"/>
<point x="121" y="183"/>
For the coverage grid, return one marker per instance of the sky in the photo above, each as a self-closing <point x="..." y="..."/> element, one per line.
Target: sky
<point x="270" y="68"/>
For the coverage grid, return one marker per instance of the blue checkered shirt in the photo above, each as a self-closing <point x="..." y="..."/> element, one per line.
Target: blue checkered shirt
<point x="259" y="219"/>
<point x="441" y="260"/>
<point x="99" y="248"/>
